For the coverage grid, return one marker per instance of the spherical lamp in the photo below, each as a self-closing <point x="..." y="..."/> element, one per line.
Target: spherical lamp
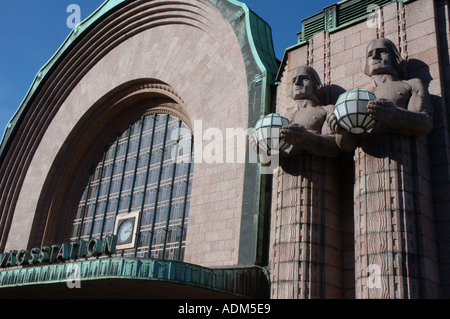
<point x="267" y="133"/>
<point x="351" y="111"/>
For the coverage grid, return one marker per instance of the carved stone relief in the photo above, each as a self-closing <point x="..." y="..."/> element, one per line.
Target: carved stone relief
<point x="307" y="217"/>
<point x="305" y="211"/>
<point x="386" y="208"/>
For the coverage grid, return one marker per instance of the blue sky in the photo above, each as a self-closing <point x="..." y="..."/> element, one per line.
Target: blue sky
<point x="31" y="31"/>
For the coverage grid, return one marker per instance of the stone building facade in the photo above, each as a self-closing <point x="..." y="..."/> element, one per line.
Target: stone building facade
<point x="337" y="264"/>
<point x="92" y="145"/>
<point x="209" y="64"/>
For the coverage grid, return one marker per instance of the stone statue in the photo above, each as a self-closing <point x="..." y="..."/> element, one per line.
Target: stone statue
<point x="387" y="209"/>
<point x="305" y="213"/>
<point x="309" y="130"/>
<point x="401" y="106"/>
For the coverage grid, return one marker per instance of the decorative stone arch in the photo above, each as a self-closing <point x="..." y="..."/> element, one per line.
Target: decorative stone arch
<point x="85" y="145"/>
<point x="216" y="55"/>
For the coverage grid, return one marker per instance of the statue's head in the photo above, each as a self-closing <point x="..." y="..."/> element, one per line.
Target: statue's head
<point x="305" y="83"/>
<point x="382" y="58"/>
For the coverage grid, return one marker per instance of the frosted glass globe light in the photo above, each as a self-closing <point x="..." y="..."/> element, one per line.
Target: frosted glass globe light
<point x="267" y="133"/>
<point x="351" y="111"/>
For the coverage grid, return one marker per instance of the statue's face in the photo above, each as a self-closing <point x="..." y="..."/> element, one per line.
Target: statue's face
<point x="302" y="86"/>
<point x="378" y="59"/>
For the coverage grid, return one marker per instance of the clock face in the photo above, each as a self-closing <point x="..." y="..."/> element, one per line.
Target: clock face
<point x="125" y="231"/>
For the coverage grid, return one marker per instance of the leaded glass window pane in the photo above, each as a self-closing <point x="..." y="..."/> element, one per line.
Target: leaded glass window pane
<point x="146" y="169"/>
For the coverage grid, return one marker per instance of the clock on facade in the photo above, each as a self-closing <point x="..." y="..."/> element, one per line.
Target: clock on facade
<point x="125" y="230"/>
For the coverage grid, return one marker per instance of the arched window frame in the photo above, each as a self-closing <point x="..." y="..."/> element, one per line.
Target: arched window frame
<point x="161" y="235"/>
<point x="72" y="167"/>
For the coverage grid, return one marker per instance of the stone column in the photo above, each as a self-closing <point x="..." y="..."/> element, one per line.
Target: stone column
<point x="306" y="256"/>
<point x="385" y="219"/>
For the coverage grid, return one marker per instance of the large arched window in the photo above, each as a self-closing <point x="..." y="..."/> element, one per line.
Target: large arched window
<point x="143" y="179"/>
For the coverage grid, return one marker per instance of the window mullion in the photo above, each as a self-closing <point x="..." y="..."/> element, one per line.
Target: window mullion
<point x="123" y="173"/>
<point x="98" y="194"/>
<point x="147" y="173"/>
<point x="123" y="170"/>
<point x="159" y="185"/>
<point x="186" y="194"/>
<point x="108" y="193"/>
<point x="172" y="187"/>
<point x="138" y="152"/>
<point x="83" y="213"/>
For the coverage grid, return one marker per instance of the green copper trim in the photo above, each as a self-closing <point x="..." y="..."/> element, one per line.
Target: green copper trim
<point x="339" y="15"/>
<point x="98" y="15"/>
<point x="107" y="8"/>
<point x="261" y="44"/>
<point x="260" y="40"/>
<point x="255" y="38"/>
<point x="239" y="282"/>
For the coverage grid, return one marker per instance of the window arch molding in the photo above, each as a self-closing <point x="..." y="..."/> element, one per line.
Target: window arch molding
<point x="85" y="145"/>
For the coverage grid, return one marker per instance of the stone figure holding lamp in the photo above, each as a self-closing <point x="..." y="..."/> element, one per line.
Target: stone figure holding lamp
<point x="387" y="213"/>
<point x="305" y="210"/>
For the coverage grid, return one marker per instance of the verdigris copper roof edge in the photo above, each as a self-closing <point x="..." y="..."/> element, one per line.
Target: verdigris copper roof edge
<point x="57" y="78"/>
<point x="260" y="38"/>
<point x="246" y="282"/>
<point x="263" y="52"/>
<point x="105" y="9"/>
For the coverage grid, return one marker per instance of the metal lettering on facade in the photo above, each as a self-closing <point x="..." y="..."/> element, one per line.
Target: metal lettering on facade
<point x="59" y="252"/>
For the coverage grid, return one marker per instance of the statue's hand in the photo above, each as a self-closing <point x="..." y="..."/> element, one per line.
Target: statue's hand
<point x="293" y="134"/>
<point x="333" y="124"/>
<point x="252" y="142"/>
<point x="382" y="110"/>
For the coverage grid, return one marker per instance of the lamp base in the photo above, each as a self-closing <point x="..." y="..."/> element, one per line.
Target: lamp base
<point x="357" y="130"/>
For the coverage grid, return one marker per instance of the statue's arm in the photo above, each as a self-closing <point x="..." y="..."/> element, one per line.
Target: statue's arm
<point x="311" y="142"/>
<point x="345" y="140"/>
<point x="416" y="120"/>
